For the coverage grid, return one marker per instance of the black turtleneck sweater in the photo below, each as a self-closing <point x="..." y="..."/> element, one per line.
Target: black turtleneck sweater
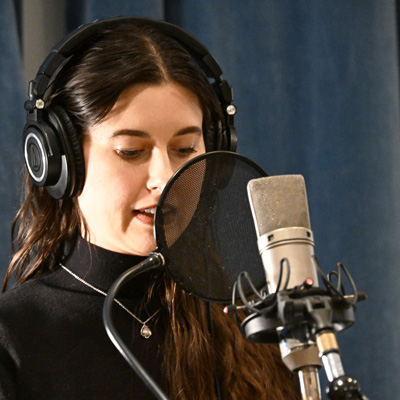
<point x="53" y="344"/>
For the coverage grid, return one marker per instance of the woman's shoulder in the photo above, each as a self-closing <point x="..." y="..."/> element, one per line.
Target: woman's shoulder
<point x="26" y="308"/>
<point x="19" y="307"/>
<point x="22" y="298"/>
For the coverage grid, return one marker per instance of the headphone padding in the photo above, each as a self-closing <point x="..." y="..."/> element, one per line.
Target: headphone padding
<point x="72" y="149"/>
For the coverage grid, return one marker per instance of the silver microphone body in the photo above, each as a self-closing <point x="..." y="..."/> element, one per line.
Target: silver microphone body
<point x="280" y="211"/>
<point x="295" y="245"/>
<point x="286" y="245"/>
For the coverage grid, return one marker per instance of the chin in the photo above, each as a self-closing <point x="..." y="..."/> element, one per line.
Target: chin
<point x="142" y="249"/>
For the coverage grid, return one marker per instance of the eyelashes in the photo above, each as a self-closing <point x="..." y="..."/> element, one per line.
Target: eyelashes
<point x="180" y="152"/>
<point x="129" y="154"/>
<point x="184" y="151"/>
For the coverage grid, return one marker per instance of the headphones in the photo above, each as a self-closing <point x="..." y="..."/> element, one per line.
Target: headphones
<point x="52" y="150"/>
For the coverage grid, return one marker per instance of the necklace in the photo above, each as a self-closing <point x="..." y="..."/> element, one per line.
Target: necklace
<point x="144" y="331"/>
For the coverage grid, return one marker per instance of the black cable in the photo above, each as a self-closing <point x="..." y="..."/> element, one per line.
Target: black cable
<point x="332" y="289"/>
<point x="239" y="325"/>
<point x="212" y="334"/>
<point x="269" y="301"/>
<point x="278" y="286"/>
<point x="155" y="260"/>
<point x="251" y="284"/>
<point x="351" y="281"/>
<point x="243" y="296"/>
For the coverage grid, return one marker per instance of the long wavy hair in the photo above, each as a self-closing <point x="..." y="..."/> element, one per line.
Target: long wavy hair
<point x="87" y="88"/>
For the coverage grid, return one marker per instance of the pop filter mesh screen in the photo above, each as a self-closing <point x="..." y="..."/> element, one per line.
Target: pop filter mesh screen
<point x="204" y="226"/>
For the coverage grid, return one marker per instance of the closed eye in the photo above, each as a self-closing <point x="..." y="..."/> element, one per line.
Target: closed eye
<point x="129" y="153"/>
<point x="186" y="150"/>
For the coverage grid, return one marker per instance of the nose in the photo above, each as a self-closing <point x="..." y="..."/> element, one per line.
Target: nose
<point x="160" y="171"/>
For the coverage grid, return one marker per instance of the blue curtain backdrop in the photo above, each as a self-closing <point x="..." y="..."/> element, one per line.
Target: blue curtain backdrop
<point x="316" y="84"/>
<point x="12" y="97"/>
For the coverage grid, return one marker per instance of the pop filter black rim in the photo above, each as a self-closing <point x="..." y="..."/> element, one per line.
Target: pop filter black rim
<point x="204" y="226"/>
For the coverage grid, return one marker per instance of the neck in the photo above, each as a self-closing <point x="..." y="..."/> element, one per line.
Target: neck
<point x="101" y="267"/>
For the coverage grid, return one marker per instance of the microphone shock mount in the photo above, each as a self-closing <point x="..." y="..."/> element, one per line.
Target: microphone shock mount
<point x="304" y="321"/>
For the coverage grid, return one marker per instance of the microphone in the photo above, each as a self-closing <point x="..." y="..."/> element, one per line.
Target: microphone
<point x="303" y="316"/>
<point x="280" y="212"/>
<point x="281" y="217"/>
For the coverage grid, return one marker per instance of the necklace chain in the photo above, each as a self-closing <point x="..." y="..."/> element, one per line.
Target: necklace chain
<point x="144" y="331"/>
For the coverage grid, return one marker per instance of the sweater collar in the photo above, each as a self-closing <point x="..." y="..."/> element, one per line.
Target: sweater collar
<point x="101" y="267"/>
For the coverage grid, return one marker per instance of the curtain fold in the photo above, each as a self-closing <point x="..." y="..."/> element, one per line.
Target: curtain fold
<point x="316" y="84"/>
<point x="12" y="97"/>
<point x="80" y="12"/>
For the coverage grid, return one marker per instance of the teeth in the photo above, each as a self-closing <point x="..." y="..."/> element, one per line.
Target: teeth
<point x="149" y="211"/>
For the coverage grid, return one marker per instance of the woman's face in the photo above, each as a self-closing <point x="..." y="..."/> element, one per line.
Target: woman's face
<point x="129" y="157"/>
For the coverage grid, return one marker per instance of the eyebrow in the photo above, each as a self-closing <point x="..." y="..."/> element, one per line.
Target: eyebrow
<point x="143" y="134"/>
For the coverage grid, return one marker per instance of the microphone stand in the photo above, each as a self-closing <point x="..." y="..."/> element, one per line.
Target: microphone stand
<point x="155" y="260"/>
<point x="304" y="321"/>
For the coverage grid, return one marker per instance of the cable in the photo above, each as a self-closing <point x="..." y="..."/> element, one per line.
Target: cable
<point x="155" y="260"/>
<point x="212" y="334"/>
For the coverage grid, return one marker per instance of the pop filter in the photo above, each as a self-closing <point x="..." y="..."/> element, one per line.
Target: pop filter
<point x="204" y="226"/>
<point x="205" y="237"/>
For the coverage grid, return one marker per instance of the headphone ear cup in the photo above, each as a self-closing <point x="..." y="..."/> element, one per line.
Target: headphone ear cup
<point x="77" y="153"/>
<point x="72" y="172"/>
<point x="231" y="139"/>
<point x="41" y="153"/>
<point x="222" y="139"/>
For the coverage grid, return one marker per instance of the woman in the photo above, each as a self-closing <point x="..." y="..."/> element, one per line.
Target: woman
<point x="141" y="108"/>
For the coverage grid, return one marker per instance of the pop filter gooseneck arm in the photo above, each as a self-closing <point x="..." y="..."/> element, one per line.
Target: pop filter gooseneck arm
<point x="155" y="260"/>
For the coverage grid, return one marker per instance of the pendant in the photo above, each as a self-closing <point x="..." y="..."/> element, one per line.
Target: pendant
<point x="145" y="331"/>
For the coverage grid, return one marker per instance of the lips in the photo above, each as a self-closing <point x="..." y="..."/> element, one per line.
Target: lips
<point x="145" y="215"/>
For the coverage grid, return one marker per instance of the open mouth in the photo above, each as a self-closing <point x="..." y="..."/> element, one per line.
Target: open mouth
<point x="146" y="215"/>
<point x="151" y="211"/>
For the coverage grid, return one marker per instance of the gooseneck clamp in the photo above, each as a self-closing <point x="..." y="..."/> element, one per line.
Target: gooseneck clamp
<point x="304" y="321"/>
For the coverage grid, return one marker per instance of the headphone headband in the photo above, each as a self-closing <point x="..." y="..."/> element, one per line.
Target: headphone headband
<point x="68" y="46"/>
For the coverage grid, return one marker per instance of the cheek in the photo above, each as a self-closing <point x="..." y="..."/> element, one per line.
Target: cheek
<point x="98" y="188"/>
<point x="110" y="187"/>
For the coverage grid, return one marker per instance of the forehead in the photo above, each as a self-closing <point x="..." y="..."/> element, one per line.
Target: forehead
<point x="152" y="109"/>
<point x="157" y="98"/>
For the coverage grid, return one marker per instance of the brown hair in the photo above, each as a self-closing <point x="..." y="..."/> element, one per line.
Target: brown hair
<point x="87" y="89"/>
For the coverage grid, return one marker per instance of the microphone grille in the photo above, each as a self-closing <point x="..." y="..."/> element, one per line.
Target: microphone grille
<point x="278" y="202"/>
